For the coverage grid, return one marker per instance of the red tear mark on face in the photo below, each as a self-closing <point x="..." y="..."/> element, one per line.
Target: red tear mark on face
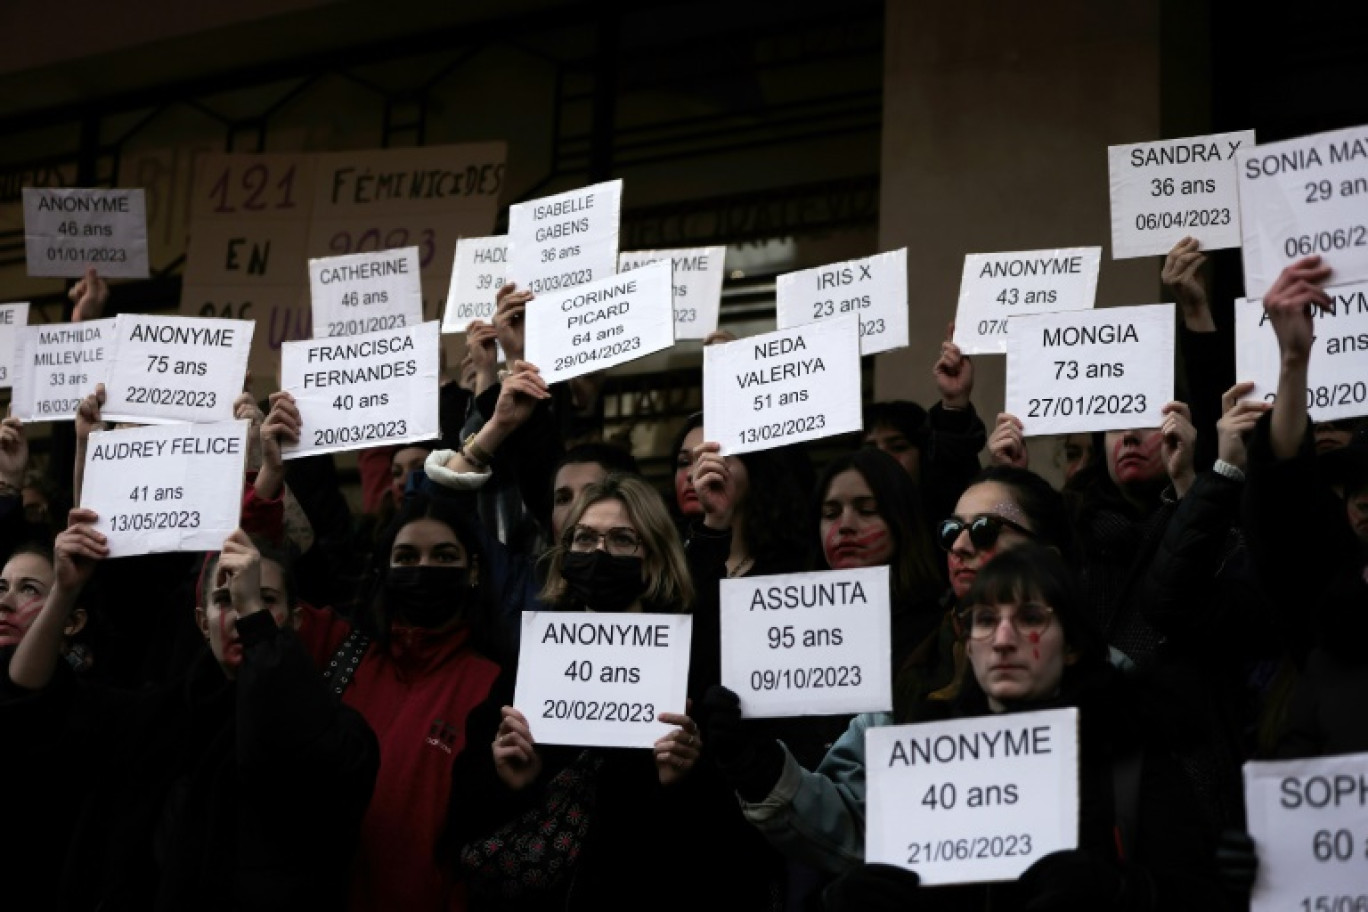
<point x="1034" y="639"/>
<point x="829" y="543"/>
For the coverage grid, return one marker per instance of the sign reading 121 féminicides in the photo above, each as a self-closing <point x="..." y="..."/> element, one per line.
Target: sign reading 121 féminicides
<point x="58" y="365"/>
<point x="561" y="241"/>
<point x="972" y="800"/>
<point x="1091" y="370"/>
<point x="874" y="288"/>
<point x="68" y="230"/>
<point x="167" y="369"/>
<point x="808" y="644"/>
<point x="697" y="285"/>
<point x="365" y="292"/>
<point x="602" y="679"/>
<point x="996" y="286"/>
<point x="477" y="274"/>
<point x="783" y="387"/>
<point x="12" y="317"/>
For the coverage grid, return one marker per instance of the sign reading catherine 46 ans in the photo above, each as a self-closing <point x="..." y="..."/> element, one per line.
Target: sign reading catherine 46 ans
<point x="1162" y="192"/>
<point x="167" y="369"/>
<point x="1301" y="197"/>
<point x="996" y="286"/>
<point x="175" y="487"/>
<point x="1336" y="383"/>
<point x="808" y="644"/>
<point x="67" y="230"/>
<point x="1309" y="821"/>
<point x="972" y="800"/>
<point x="783" y="387"/>
<point x="557" y="242"/>
<point x="602" y="680"/>
<point x="363" y="391"/>
<point x="12" y="317"/>
<point x="697" y="285"/>
<point x="1091" y="370"/>
<point x="365" y="292"/>
<point x="874" y="288"/>
<point x="57" y="365"/>
<point x="476" y="276"/>
<point x="596" y="326"/>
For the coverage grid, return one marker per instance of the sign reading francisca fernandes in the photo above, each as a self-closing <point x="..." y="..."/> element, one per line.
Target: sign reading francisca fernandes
<point x="68" y="230"/>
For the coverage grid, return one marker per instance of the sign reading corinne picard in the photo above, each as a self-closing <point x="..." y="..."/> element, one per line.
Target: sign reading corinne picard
<point x="558" y="242"/>
<point x="363" y="391"/>
<point x="874" y="288"/>
<point x="1091" y="370"/>
<point x="808" y="644"/>
<point x="168" y="369"/>
<point x="602" y="679"/>
<point x="67" y="230"/>
<point x="972" y="800"/>
<point x="996" y="286"/>
<point x="56" y="366"/>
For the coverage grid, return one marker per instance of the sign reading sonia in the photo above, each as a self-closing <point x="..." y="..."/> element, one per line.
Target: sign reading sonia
<point x="972" y="799"/>
<point x="477" y="273"/>
<point x="557" y="242"/>
<point x="1091" y="370"/>
<point x="66" y="231"/>
<point x="875" y="288"/>
<point x="602" y="680"/>
<point x="996" y="286"/>
<point x="175" y="487"/>
<point x="365" y="292"/>
<point x="783" y="387"/>
<point x="697" y="285"/>
<point x="12" y="317"/>
<point x="1162" y="192"/>
<point x="168" y="369"/>
<point x="57" y="365"/>
<point x="808" y="644"/>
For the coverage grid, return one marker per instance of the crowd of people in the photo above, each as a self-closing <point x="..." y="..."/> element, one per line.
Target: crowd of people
<point x="322" y="713"/>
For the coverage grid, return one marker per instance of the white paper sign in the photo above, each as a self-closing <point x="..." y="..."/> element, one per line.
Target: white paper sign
<point x="996" y="286"/>
<point x="1337" y="377"/>
<point x="596" y="326"/>
<point x="168" y="369"/>
<point x="602" y="679"/>
<point x="175" y="487"/>
<point x="1162" y="192"/>
<point x="477" y="274"/>
<point x="1301" y="197"/>
<point x="68" y="230"/>
<point x="58" y="365"/>
<point x="874" y="288"/>
<point x="783" y="387"/>
<point x="697" y="285"/>
<point x="12" y="318"/>
<point x="1309" y="822"/>
<point x="972" y="800"/>
<point x="363" y="391"/>
<point x="808" y="644"/>
<point x="558" y="242"/>
<point x="365" y="292"/>
<point x="1091" y="370"/>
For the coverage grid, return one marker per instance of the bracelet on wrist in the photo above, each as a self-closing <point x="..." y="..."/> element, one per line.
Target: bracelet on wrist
<point x="1233" y="472"/>
<point x="475" y="454"/>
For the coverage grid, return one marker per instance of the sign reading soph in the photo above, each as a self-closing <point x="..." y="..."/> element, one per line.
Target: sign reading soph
<point x="808" y="644"/>
<point x="1309" y="821"/>
<point x="996" y="286"/>
<point x="783" y="387"/>
<point x="875" y="288"/>
<point x="972" y="800"/>
<point x="168" y="369"/>
<point x="1301" y="197"/>
<point x="12" y="318"/>
<point x="175" y="487"/>
<point x="365" y="292"/>
<point x="58" y="365"/>
<point x="697" y="285"/>
<point x="477" y="274"/>
<point x="1091" y="370"/>
<point x="363" y="391"/>
<point x="67" y="230"/>
<point x="595" y="326"/>
<point x="557" y="242"/>
<point x="1162" y="192"/>
<point x="602" y="680"/>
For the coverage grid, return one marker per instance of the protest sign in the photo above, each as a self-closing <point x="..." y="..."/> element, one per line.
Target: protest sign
<point x="68" y="230"/>
<point x="477" y="274"/>
<point x="12" y="318"/>
<point x="696" y="282"/>
<point x="875" y="288"/>
<point x="365" y="292"/>
<point x="996" y="286"/>
<point x="561" y="241"/>
<point x="58" y="365"/>
<point x="169" y="369"/>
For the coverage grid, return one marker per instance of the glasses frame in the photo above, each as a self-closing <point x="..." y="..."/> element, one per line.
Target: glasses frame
<point x="967" y="622"/>
<point x="601" y="540"/>
<point x="989" y="520"/>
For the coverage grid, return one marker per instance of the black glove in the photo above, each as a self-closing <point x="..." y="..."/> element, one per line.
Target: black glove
<point x="1237" y="861"/>
<point x="751" y="764"/>
<point x="872" y="887"/>
<point x="1071" y="880"/>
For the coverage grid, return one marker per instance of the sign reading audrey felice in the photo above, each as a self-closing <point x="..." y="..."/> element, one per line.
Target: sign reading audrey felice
<point x="697" y="285"/>
<point x="561" y="241"/>
<point x="1309" y="821"/>
<point x="363" y="391"/>
<point x="477" y="273"/>
<point x="972" y="800"/>
<point x="1162" y="192"/>
<point x="68" y="230"/>
<point x="1091" y="370"/>
<point x="596" y="326"/>
<point x="1337" y="382"/>
<point x="365" y="292"/>
<point x="808" y="644"/>
<point x="602" y="679"/>
<point x="12" y="318"/>
<point x="996" y="286"/>
<point x="167" y="369"/>
<point x="783" y="387"/>
<point x="874" y="288"/>
<point x="56" y="366"/>
<point x="175" y="487"/>
<point x="1301" y="197"/>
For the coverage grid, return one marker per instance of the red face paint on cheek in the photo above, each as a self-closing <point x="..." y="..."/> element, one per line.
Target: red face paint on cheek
<point x="1034" y="639"/>
<point x="870" y="538"/>
<point x="829" y="540"/>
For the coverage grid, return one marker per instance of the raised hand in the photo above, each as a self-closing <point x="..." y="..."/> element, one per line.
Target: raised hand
<point x="677" y="752"/>
<point x="282" y="425"/>
<point x="1179" y="441"/>
<point x="77" y="550"/>
<point x="14" y="454"/>
<point x="239" y="571"/>
<point x="1007" y="444"/>
<point x="510" y="306"/>
<point x="1236" y="424"/>
<point x="715" y="483"/>
<point x="515" y="753"/>
<point x="1180" y="274"/>
<point x="89" y="295"/>
<point x="954" y="373"/>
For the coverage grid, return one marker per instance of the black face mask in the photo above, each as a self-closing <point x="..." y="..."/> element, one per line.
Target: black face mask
<point x="427" y="596"/>
<point x="602" y="581"/>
